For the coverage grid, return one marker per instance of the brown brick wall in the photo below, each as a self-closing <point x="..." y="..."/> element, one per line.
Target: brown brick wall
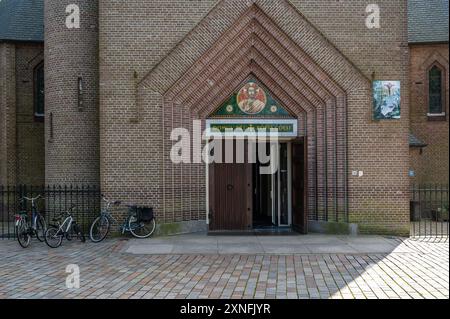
<point x="132" y="152"/>
<point x="134" y="162"/>
<point x="255" y="45"/>
<point x="72" y="155"/>
<point x="432" y="165"/>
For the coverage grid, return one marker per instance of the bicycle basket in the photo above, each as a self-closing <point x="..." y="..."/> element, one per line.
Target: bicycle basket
<point x="145" y="214"/>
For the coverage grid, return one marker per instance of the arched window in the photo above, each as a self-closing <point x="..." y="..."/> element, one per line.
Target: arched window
<point x="39" y="92"/>
<point x="435" y="94"/>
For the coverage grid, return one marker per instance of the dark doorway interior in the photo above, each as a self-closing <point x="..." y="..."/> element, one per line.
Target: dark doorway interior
<point x="262" y="202"/>
<point x="262" y="199"/>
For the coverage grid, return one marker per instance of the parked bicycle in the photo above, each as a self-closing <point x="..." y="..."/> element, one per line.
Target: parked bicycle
<point x="140" y="222"/>
<point x="66" y="226"/>
<point x="26" y="228"/>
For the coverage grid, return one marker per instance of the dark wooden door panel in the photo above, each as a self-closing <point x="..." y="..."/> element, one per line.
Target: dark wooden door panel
<point x="231" y="207"/>
<point x="230" y="196"/>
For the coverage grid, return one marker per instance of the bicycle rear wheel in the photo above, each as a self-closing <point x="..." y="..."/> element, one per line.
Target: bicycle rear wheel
<point x="141" y="229"/>
<point x="99" y="229"/>
<point x="53" y="237"/>
<point x="23" y="235"/>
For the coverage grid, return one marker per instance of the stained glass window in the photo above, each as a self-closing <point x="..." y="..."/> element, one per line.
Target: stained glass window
<point x="435" y="90"/>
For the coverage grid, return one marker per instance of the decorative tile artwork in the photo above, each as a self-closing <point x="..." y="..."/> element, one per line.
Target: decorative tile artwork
<point x="251" y="100"/>
<point x="386" y="100"/>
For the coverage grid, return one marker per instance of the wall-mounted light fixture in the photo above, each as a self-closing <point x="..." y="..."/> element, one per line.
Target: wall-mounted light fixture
<point x="80" y="94"/>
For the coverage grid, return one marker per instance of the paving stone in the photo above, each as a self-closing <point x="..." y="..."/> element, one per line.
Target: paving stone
<point x="112" y="269"/>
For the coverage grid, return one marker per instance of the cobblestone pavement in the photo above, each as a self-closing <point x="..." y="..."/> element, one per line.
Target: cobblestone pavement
<point x="108" y="271"/>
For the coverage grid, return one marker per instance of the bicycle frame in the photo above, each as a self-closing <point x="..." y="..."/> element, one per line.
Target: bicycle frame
<point x="34" y="214"/>
<point x="130" y="224"/>
<point x="22" y="216"/>
<point x="107" y="213"/>
<point x="69" y="221"/>
<point x="123" y="227"/>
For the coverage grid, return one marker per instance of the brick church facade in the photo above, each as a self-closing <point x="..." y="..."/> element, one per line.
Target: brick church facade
<point x="116" y="87"/>
<point x="428" y="42"/>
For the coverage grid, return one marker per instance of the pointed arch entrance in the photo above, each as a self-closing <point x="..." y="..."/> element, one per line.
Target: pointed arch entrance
<point x="295" y="69"/>
<point x="258" y="179"/>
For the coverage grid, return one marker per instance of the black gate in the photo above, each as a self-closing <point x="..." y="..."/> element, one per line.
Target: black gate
<point x="54" y="199"/>
<point x="429" y="211"/>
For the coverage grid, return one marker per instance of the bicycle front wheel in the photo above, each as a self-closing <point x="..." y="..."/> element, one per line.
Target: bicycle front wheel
<point x="99" y="229"/>
<point x="53" y="237"/>
<point x="141" y="229"/>
<point x="41" y="227"/>
<point x="23" y="235"/>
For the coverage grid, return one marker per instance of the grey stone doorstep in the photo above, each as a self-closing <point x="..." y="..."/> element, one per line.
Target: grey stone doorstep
<point x="305" y="244"/>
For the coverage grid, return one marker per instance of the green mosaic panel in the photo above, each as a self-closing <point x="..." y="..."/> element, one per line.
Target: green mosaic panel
<point x="264" y="105"/>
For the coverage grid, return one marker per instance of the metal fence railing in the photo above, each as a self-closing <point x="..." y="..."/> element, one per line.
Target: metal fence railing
<point x="54" y="199"/>
<point x="429" y="211"/>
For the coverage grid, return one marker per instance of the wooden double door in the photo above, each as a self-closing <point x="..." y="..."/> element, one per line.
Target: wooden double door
<point x="230" y="192"/>
<point x="231" y="198"/>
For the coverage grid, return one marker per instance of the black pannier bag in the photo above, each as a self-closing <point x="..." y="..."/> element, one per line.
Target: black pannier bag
<point x="145" y="214"/>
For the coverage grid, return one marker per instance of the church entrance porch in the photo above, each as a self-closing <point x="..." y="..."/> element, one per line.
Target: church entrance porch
<point x="260" y="196"/>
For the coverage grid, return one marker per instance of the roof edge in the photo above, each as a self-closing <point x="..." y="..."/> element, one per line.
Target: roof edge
<point x="427" y="42"/>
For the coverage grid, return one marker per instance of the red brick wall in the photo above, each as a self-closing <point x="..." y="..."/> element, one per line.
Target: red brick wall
<point x="7" y="114"/>
<point x="30" y="131"/>
<point x="21" y="137"/>
<point x="432" y="165"/>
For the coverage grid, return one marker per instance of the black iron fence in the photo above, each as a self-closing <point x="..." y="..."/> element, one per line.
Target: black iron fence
<point x="429" y="211"/>
<point x="53" y="201"/>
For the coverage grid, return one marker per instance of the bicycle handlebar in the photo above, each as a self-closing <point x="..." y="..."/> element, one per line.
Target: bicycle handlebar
<point x="110" y="202"/>
<point x="32" y="199"/>
<point x="68" y="211"/>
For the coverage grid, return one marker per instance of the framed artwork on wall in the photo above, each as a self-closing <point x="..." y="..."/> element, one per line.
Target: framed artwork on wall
<point x="386" y="100"/>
